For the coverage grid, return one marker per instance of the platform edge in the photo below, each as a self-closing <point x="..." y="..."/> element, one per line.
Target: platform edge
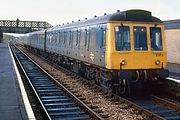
<point x="28" y="108"/>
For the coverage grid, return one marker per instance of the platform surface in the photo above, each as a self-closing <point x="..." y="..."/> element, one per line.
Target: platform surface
<point x="174" y="70"/>
<point x="10" y="105"/>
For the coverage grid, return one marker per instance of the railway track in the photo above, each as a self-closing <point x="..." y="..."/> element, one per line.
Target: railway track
<point x="153" y="107"/>
<point x="56" y="101"/>
<point x="158" y="108"/>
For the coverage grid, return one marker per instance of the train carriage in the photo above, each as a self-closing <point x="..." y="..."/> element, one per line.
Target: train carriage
<point x="36" y="40"/>
<point x="117" y="51"/>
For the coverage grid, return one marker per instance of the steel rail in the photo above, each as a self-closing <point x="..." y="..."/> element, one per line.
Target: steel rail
<point x="81" y="103"/>
<point x="166" y="102"/>
<point x="29" y="81"/>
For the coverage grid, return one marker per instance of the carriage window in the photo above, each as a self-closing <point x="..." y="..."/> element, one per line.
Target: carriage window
<point x="140" y="38"/>
<point x="156" y="38"/>
<point x="122" y="38"/>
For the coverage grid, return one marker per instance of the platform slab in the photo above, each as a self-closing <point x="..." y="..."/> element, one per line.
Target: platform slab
<point x="10" y="106"/>
<point x="174" y="70"/>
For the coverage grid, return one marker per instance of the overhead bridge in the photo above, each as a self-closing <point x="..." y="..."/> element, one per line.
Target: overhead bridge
<point x="17" y="26"/>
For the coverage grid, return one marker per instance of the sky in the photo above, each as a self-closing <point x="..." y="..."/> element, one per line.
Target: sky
<point x="62" y="11"/>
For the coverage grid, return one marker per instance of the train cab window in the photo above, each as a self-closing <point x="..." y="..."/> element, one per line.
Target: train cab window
<point x="140" y="38"/>
<point x="122" y="38"/>
<point x="156" y="39"/>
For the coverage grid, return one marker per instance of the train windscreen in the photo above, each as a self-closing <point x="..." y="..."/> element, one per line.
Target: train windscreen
<point x="122" y="38"/>
<point x="156" y="39"/>
<point x="140" y="38"/>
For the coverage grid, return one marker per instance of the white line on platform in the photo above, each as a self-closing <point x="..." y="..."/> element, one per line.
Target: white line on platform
<point x="27" y="105"/>
<point x="173" y="79"/>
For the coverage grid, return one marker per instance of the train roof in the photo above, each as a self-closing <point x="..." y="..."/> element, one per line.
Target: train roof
<point x="172" y="24"/>
<point x="36" y="32"/>
<point x="136" y="15"/>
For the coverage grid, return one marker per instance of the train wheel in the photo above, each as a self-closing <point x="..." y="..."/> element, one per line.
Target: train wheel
<point x="124" y="87"/>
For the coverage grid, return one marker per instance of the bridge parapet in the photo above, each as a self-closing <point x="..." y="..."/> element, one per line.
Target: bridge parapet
<point x="24" y="24"/>
<point x="17" y="26"/>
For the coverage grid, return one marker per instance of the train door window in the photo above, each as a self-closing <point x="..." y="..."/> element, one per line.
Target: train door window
<point x="60" y="38"/>
<point x="156" y="38"/>
<point x="101" y="36"/>
<point x="86" y="36"/>
<point x="47" y="39"/>
<point x="122" y="38"/>
<point x="68" y="38"/>
<point x="83" y="36"/>
<point x="78" y="37"/>
<point x="53" y="36"/>
<point x="92" y="39"/>
<point x="72" y="37"/>
<point x="64" y="37"/>
<point x="140" y="38"/>
<point x="103" y="40"/>
<point x="50" y="38"/>
<point x="55" y="41"/>
<point x="57" y="38"/>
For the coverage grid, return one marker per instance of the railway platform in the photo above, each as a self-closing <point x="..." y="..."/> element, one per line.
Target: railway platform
<point x="174" y="70"/>
<point x="14" y="102"/>
<point x="173" y="81"/>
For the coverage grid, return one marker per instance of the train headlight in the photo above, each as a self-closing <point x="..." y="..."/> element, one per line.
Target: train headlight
<point x="123" y="62"/>
<point x="157" y="62"/>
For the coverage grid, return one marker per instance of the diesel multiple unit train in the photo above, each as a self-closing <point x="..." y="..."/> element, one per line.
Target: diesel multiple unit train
<point x="119" y="51"/>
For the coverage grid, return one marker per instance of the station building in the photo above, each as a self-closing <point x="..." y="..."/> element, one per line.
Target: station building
<point x="172" y="36"/>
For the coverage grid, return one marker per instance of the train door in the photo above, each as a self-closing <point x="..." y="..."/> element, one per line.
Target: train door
<point x="82" y="50"/>
<point x="101" y="44"/>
